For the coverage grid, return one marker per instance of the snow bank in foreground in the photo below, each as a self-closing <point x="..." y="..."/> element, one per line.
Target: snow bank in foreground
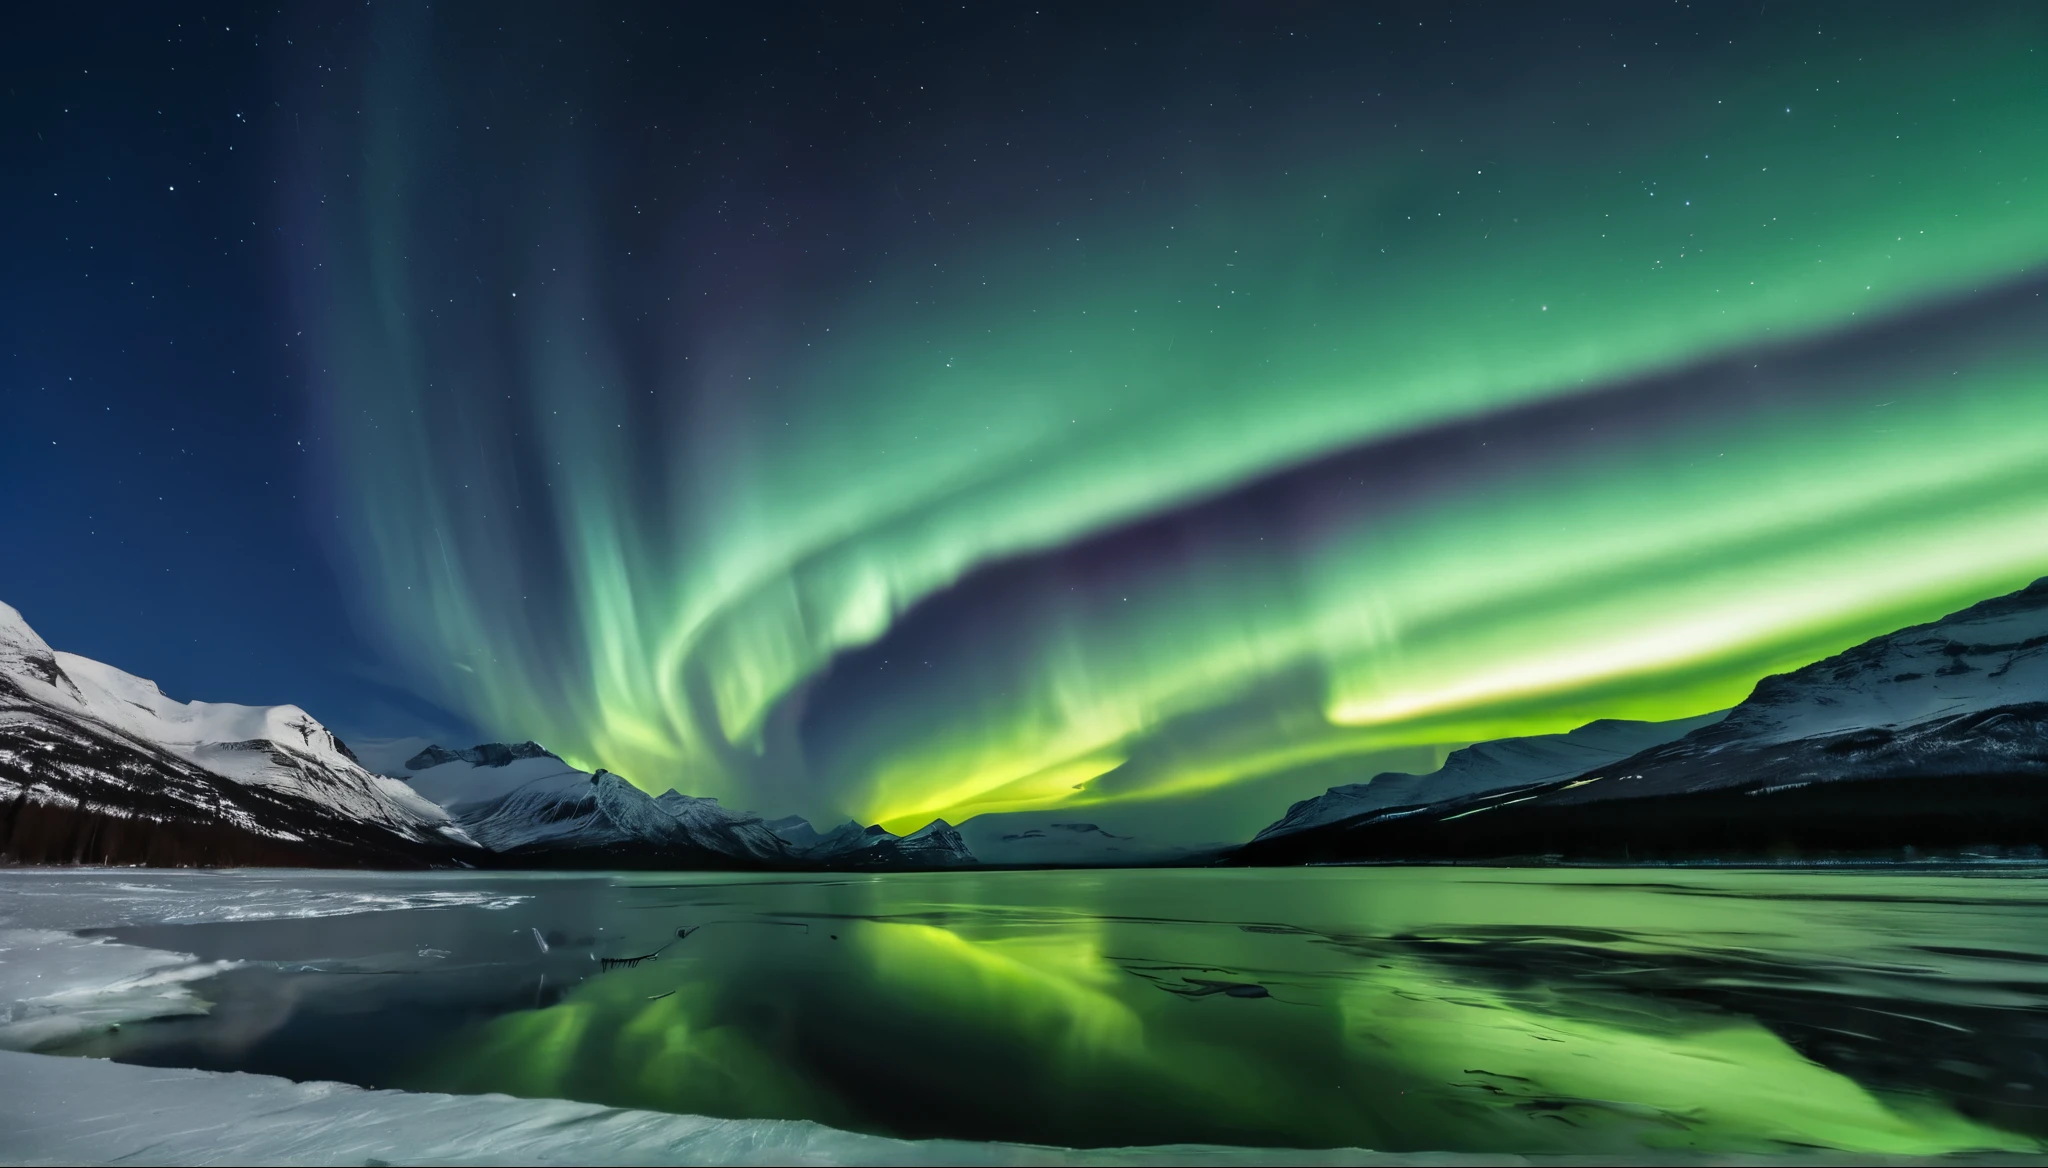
<point x="72" y="1111"/>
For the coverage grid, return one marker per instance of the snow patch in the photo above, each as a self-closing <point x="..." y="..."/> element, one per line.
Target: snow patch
<point x="56" y="986"/>
<point x="72" y="1111"/>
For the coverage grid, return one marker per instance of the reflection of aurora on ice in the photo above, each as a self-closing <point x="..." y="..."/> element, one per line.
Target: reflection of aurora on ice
<point x="1409" y="1009"/>
<point x="1614" y="420"/>
<point x="1425" y="1053"/>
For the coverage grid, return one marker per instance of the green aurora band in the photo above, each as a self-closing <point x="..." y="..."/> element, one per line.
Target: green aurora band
<point x="1143" y="494"/>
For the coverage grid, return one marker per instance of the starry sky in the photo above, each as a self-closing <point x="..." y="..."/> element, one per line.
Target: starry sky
<point x="936" y="411"/>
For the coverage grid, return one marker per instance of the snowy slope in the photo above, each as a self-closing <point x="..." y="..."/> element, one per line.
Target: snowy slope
<point x="83" y="744"/>
<point x="522" y="801"/>
<point x="1988" y="655"/>
<point x="739" y="834"/>
<point x="1932" y="740"/>
<point x="935" y="845"/>
<point x="797" y="833"/>
<point x="1964" y="695"/>
<point x="1489" y="766"/>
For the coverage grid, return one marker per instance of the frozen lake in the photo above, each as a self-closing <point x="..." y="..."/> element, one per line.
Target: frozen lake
<point x="1403" y="1010"/>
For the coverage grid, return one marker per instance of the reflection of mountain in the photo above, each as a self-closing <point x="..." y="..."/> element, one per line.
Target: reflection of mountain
<point x="1933" y="737"/>
<point x="99" y="766"/>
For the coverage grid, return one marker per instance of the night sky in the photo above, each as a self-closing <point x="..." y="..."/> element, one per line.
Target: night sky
<point x="1163" y="412"/>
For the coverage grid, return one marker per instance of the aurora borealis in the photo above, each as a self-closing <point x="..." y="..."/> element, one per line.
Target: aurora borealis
<point x="953" y="413"/>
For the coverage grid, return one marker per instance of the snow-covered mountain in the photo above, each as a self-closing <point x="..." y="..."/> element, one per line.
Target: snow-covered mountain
<point x="100" y="766"/>
<point x="529" y="806"/>
<point x="1486" y="767"/>
<point x="739" y="834"/>
<point x="935" y="845"/>
<point x="483" y="754"/>
<point x="1966" y="694"/>
<point x="802" y="838"/>
<point x="1932" y="738"/>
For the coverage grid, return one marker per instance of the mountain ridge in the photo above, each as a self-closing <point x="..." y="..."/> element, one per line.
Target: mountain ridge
<point x="1934" y="736"/>
<point x="100" y="766"/>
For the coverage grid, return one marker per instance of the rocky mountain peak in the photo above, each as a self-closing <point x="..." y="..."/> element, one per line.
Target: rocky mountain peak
<point x="483" y="754"/>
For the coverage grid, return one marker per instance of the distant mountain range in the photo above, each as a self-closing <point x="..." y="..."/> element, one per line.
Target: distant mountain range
<point x="1483" y="768"/>
<point x="531" y="809"/>
<point x="1930" y="740"/>
<point x="935" y="845"/>
<point x="98" y="766"/>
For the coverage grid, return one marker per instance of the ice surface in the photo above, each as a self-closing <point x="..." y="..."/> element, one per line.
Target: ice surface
<point x="100" y="898"/>
<point x="55" y="984"/>
<point x="74" y="1110"/>
<point x="71" y="1111"/>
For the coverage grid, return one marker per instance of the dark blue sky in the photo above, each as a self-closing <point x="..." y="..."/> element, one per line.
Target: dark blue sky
<point x="155" y="501"/>
<point x="160" y="468"/>
<point x="691" y="198"/>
